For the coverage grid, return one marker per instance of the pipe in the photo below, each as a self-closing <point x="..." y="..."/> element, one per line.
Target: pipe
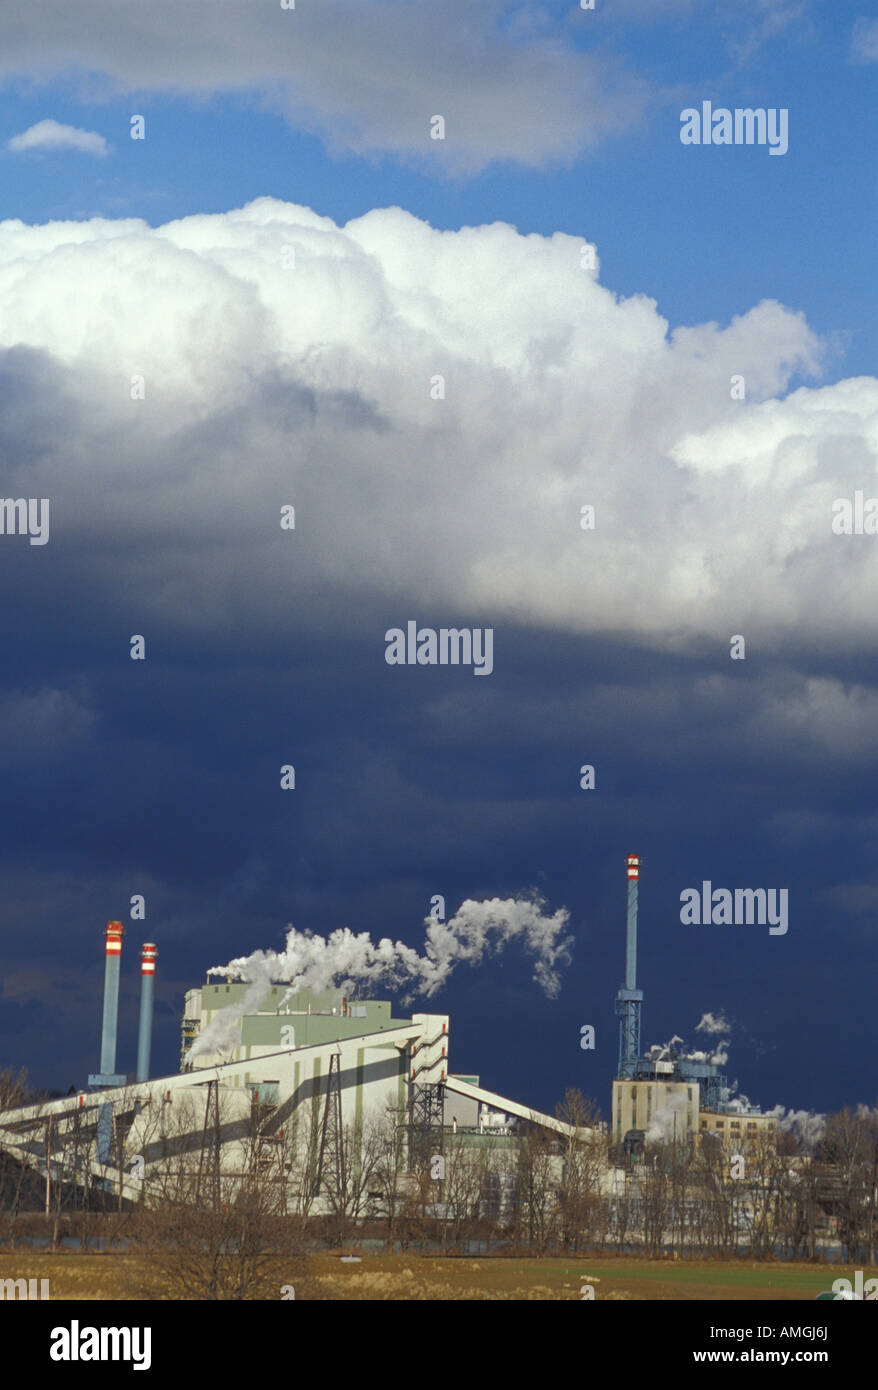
<point x="111" y="997"/>
<point x="148" y="958"/>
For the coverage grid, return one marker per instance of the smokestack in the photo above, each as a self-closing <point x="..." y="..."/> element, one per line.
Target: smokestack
<point x="111" y="998"/>
<point x="631" y="939"/>
<point x="629" y="998"/>
<point x="107" y="1076"/>
<point x="147" y="983"/>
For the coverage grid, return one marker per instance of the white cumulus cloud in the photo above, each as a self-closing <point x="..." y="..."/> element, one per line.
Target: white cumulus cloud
<point x="52" y="135"/>
<point x="287" y="359"/>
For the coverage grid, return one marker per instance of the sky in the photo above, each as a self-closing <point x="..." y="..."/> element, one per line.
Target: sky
<point x="239" y="274"/>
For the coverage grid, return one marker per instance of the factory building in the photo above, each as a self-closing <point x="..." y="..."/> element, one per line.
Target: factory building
<point x="673" y="1095"/>
<point x="314" y="1058"/>
<point x="641" y="1106"/>
<point x="310" y="1035"/>
<point x="637" y="1104"/>
<point x="737" y="1129"/>
<point x="302" y="1073"/>
<point x="310" y="1071"/>
<point x="283" y="1020"/>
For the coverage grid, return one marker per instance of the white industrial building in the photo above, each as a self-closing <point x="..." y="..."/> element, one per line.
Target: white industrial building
<point x="296" y="1072"/>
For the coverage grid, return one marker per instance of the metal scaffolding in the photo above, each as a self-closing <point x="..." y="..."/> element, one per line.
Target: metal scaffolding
<point x="426" y="1131"/>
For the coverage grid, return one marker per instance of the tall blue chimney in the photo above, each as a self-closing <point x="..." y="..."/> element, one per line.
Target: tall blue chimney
<point x="107" y="1076"/>
<point x="629" y="999"/>
<point x="147" y="984"/>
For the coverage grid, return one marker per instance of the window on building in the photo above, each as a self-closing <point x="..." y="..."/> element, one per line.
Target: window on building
<point x="704" y="1124"/>
<point x="751" y="1124"/>
<point x="689" y="1093"/>
<point x="735" y="1124"/>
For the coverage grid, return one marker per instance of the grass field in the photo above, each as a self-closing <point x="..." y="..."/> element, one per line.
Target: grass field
<point x="412" y="1277"/>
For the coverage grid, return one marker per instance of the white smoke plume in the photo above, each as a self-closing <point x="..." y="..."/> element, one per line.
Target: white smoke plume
<point x="737" y="1104"/>
<point x="713" y="1023"/>
<point x="661" y="1052"/>
<point x="807" y="1126"/>
<point x="667" y="1122"/>
<point x="344" y="959"/>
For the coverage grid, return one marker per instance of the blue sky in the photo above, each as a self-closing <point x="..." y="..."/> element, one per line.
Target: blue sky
<point x="797" y="228"/>
<point x="164" y="780"/>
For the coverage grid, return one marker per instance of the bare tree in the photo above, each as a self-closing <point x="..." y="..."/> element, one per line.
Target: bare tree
<point x="655" y="1197"/>
<point x="216" y="1232"/>
<point x="584" y="1160"/>
<point x="850" y="1147"/>
<point x="460" y="1192"/>
<point x="535" y="1199"/>
<point x="389" y="1187"/>
<point x="13" y="1171"/>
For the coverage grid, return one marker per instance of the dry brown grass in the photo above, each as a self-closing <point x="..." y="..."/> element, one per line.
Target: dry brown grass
<point x="412" y="1278"/>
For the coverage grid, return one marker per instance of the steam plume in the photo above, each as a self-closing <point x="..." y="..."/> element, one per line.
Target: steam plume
<point x="344" y="958"/>
<point x="712" y="1023"/>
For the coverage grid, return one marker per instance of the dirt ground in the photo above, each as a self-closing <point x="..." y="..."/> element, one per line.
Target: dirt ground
<point x="410" y="1277"/>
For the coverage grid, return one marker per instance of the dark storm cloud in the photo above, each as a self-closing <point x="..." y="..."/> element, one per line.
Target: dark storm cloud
<point x="266" y="647"/>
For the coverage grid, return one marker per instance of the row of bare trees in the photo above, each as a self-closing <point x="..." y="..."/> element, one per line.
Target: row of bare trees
<point x="779" y="1196"/>
<point x="209" y="1178"/>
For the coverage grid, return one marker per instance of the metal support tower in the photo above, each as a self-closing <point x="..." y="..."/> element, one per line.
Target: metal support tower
<point x="426" y="1115"/>
<point x="331" y="1158"/>
<point x="629" y="999"/>
<point x="210" y="1155"/>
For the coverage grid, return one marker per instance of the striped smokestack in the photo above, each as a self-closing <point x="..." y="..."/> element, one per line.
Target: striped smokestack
<point x="147" y="983"/>
<point x="106" y="1077"/>
<point x="631" y="937"/>
<point x="629" y="999"/>
<point x="111" y="997"/>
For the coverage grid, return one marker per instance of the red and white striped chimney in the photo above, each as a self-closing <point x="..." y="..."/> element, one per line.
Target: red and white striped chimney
<point x="148" y="956"/>
<point x="113" y="952"/>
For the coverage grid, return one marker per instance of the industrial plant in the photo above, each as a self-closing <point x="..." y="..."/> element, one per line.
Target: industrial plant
<point x="691" y="1091"/>
<point x="304" y="1072"/>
